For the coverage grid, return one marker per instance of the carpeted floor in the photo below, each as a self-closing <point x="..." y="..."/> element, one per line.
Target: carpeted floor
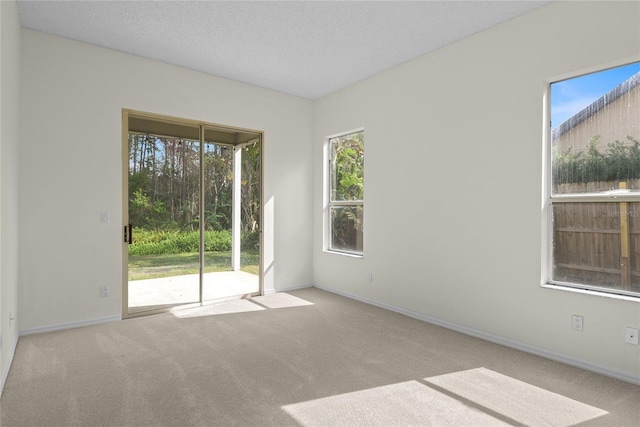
<point x="307" y="358"/>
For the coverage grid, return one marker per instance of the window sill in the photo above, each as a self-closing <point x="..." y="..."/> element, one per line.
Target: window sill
<point x="590" y="292"/>
<point x="347" y="254"/>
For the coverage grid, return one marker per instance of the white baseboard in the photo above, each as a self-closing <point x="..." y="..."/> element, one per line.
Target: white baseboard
<point x="70" y="325"/>
<point x="5" y="369"/>
<point x="507" y="342"/>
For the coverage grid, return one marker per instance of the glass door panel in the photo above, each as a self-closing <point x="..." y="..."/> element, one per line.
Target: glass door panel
<point x="218" y="195"/>
<point x="228" y="206"/>
<point x="164" y="199"/>
<point x="250" y="205"/>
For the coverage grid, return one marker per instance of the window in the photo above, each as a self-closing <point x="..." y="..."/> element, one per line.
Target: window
<point x="594" y="194"/>
<point x="346" y="193"/>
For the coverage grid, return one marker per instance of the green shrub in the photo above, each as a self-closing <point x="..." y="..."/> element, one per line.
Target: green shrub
<point x="620" y="161"/>
<point x="250" y="240"/>
<point x="217" y="241"/>
<point x="163" y="242"/>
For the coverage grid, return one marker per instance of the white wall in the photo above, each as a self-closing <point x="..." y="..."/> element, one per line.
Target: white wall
<point x="449" y="235"/>
<point x="9" y="120"/>
<point x="453" y="185"/>
<point x="70" y="170"/>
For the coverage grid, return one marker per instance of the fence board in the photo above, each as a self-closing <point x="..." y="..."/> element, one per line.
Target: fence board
<point x="587" y="243"/>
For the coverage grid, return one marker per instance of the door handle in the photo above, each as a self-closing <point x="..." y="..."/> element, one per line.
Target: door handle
<point x="128" y="233"/>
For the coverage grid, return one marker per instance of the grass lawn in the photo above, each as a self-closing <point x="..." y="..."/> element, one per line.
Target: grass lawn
<point x="156" y="266"/>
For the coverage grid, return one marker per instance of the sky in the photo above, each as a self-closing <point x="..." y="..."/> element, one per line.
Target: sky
<point x="572" y="95"/>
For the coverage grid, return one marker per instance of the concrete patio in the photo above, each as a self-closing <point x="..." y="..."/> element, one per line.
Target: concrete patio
<point x="150" y="294"/>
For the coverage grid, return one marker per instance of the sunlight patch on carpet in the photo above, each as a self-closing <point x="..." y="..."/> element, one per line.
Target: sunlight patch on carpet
<point x="514" y="399"/>
<point x="405" y="403"/>
<point x="280" y="300"/>
<point x="267" y="302"/>
<point x="238" y="306"/>
<point x="474" y="397"/>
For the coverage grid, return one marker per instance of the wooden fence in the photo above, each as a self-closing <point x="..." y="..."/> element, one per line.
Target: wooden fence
<point x="598" y="243"/>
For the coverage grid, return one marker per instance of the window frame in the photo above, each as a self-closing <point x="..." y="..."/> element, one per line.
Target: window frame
<point x="549" y="199"/>
<point x="329" y="203"/>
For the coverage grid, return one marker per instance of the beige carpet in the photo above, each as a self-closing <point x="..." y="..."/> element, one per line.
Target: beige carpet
<point x="307" y="358"/>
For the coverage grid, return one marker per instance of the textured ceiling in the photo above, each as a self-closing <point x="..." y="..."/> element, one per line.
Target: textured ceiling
<point x="304" y="48"/>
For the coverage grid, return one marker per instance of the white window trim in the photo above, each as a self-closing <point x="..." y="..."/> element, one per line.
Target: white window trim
<point x="549" y="199"/>
<point x="590" y="292"/>
<point x="326" y="194"/>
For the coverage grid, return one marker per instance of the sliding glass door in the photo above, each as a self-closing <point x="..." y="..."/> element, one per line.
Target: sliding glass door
<point x="193" y="211"/>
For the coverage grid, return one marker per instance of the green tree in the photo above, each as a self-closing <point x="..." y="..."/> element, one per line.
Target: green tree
<point x="347" y="184"/>
<point x="347" y="158"/>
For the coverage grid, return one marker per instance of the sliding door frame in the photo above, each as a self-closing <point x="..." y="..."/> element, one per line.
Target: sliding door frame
<point x="203" y="126"/>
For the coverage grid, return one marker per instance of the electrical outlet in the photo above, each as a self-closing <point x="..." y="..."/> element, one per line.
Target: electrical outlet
<point x="631" y="336"/>
<point x="577" y="322"/>
<point x="104" y="291"/>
